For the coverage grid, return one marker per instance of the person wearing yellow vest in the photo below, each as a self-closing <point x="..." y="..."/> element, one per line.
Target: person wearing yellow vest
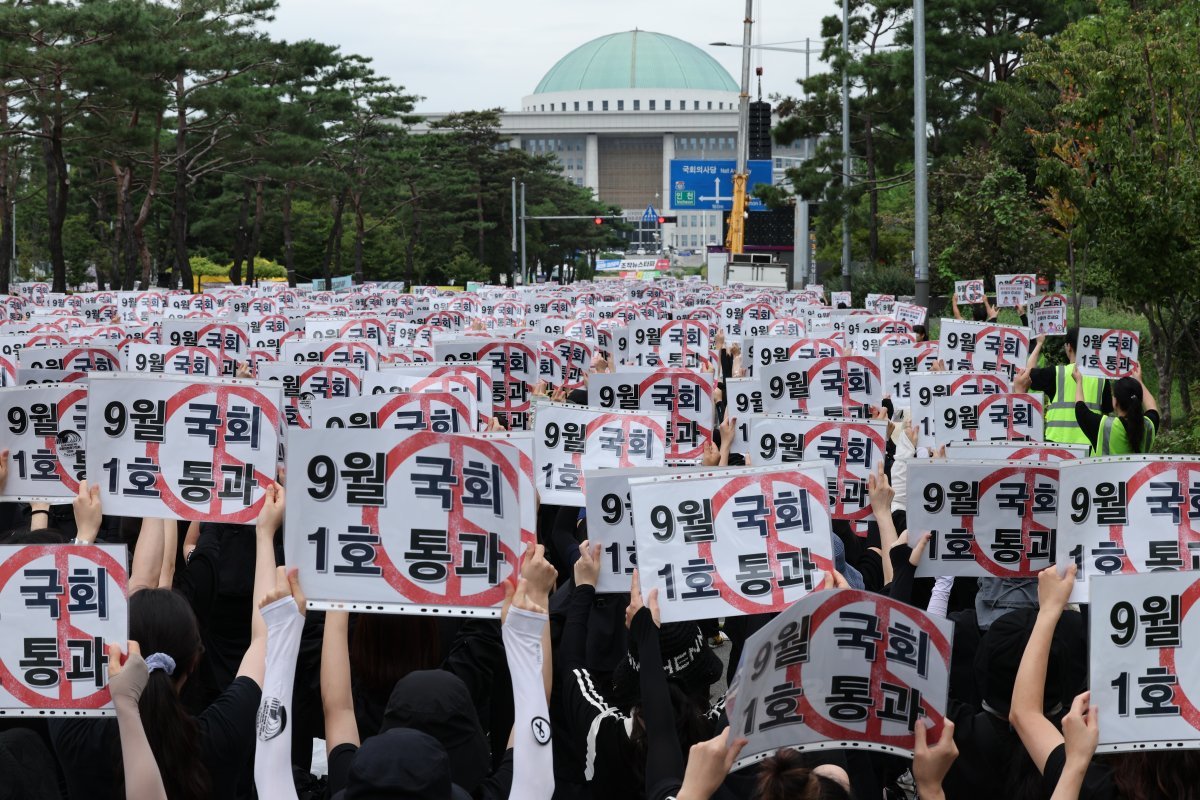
<point x="1132" y="425"/>
<point x="1058" y="385"/>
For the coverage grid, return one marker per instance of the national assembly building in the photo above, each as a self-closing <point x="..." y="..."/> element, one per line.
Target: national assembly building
<point x="647" y="120"/>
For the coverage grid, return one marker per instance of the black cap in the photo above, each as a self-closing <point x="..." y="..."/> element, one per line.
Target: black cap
<point x="999" y="657"/>
<point x="687" y="659"/>
<point x="401" y="764"/>
<point x="438" y="703"/>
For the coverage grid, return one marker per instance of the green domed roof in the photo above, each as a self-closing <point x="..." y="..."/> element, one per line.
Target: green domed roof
<point x="636" y="60"/>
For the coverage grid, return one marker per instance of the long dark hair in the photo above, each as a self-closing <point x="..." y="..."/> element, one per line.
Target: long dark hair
<point x="161" y="621"/>
<point x="1128" y="394"/>
<point x="692" y="726"/>
<point x="386" y="647"/>
<point x="1146" y="776"/>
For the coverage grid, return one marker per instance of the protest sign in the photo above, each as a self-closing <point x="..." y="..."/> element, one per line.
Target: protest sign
<point x="45" y="427"/>
<point x="564" y="363"/>
<point x="744" y="400"/>
<point x="685" y="343"/>
<point x="1144" y="665"/>
<point x="62" y="606"/>
<point x="840" y="387"/>
<point x="1104" y="353"/>
<point x="1016" y="451"/>
<point x="1015" y="290"/>
<point x="898" y="361"/>
<point x="522" y="442"/>
<point x="610" y="521"/>
<point x="732" y="542"/>
<point x="926" y="387"/>
<point x="74" y="360"/>
<point x="569" y="439"/>
<point x="841" y="299"/>
<point x="984" y="346"/>
<point x="403" y="522"/>
<point x="764" y="350"/>
<point x="332" y="352"/>
<point x="910" y="313"/>
<point x="474" y="379"/>
<point x="514" y="371"/>
<point x="968" y="292"/>
<point x="880" y="303"/>
<point x="841" y="669"/>
<point x="850" y="451"/>
<point x="304" y="382"/>
<point x="869" y="342"/>
<point x="177" y="360"/>
<point x="686" y="395"/>
<point x="171" y="447"/>
<point x="988" y="418"/>
<point x="1048" y="315"/>
<point x="986" y="518"/>
<point x="437" y="412"/>
<point x="1128" y="514"/>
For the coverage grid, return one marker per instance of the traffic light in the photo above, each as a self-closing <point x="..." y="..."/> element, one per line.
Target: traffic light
<point x="665" y="219"/>
<point x="599" y="220"/>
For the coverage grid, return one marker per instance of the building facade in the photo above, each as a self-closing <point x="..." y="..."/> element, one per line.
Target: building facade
<point x="617" y="110"/>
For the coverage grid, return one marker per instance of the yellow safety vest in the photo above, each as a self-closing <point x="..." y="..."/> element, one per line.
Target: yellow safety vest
<point x="1061" y="425"/>
<point x="1113" y="441"/>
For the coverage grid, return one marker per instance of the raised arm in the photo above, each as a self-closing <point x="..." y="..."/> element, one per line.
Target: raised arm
<point x="269" y="519"/>
<point x="526" y="645"/>
<point x="88" y="514"/>
<point x="1037" y="733"/>
<point x="147" y="556"/>
<point x="283" y="613"/>
<point x="337" y="700"/>
<point x="126" y="682"/>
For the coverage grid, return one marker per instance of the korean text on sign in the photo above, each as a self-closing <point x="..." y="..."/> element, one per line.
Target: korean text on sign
<point x="737" y="542"/>
<point x="1145" y="660"/>
<point x="1132" y="514"/>
<point x="62" y="605"/>
<point x="402" y="521"/>
<point x="45" y="428"/>
<point x="570" y="439"/>
<point x="1106" y="353"/>
<point x="838" y="667"/>
<point x="986" y="518"/>
<point x="182" y="448"/>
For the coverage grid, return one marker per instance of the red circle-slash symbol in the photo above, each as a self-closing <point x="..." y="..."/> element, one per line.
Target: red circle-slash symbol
<point x="457" y="522"/>
<point x="62" y="554"/>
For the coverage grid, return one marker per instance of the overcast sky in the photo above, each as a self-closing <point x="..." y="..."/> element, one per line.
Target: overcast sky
<point x="472" y="54"/>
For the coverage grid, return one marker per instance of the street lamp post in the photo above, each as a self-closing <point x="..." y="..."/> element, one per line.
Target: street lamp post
<point x="846" y="163"/>
<point x="920" y="159"/>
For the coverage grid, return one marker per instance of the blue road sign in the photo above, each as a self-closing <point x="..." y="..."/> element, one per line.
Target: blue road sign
<point x="702" y="185"/>
<point x="650" y="215"/>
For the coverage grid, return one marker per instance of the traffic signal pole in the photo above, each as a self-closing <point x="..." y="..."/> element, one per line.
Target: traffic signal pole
<point x="737" y="217"/>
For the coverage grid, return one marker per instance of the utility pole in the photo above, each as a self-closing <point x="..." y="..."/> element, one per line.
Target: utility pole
<point x="846" y="165"/>
<point x="524" y="271"/>
<point x="802" y="267"/>
<point x="920" y="160"/>
<point x="513" y="268"/>
<point x="737" y="217"/>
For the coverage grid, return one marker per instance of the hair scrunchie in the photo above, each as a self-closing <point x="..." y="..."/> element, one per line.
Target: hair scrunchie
<point x="160" y="661"/>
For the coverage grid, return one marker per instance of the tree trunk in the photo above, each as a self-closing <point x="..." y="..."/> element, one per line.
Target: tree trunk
<point x="288" y="255"/>
<point x="179" y="211"/>
<point x="58" y="184"/>
<point x="256" y="233"/>
<point x="7" y="195"/>
<point x="240" y="236"/>
<point x="1163" y="363"/>
<point x="873" y="196"/>
<point x="479" y="215"/>
<point x="139" y="224"/>
<point x="360" y="234"/>
<point x="332" y="244"/>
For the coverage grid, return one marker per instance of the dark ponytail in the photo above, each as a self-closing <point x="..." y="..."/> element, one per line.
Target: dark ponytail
<point x="1128" y="392"/>
<point x="161" y="621"/>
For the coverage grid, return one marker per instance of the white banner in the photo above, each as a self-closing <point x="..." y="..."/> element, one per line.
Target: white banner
<point x="1104" y="353"/>
<point x="1129" y="514"/>
<point x="987" y="518"/>
<point x="989" y="418"/>
<point x="745" y="541"/>
<point x="62" y="605"/>
<point x="841" y="667"/>
<point x="983" y="347"/>
<point x="45" y="430"/>
<point x="1048" y="315"/>
<point x="569" y="439"/>
<point x="437" y="412"/>
<point x="182" y="449"/>
<point x="1145" y="662"/>
<point x="969" y="292"/>
<point x="1015" y="290"/>
<point x="403" y="522"/>
<point x="844" y="387"/>
<point x="897" y="362"/>
<point x="684" y="394"/>
<point x="926" y="387"/>
<point x="849" y="452"/>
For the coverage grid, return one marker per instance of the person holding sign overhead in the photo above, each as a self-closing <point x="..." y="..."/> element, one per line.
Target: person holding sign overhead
<point x="1133" y="407"/>
<point x="1059" y="384"/>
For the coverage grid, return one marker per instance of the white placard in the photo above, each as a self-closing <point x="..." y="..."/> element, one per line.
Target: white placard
<point x="45" y="431"/>
<point x="1104" y="353"/>
<point x="990" y="418"/>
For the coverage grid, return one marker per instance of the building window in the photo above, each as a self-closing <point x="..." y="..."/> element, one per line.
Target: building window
<point x="620" y="105"/>
<point x="606" y="105"/>
<point x="666" y="105"/>
<point x="712" y="220"/>
<point x="637" y="105"/>
<point x="710" y="105"/>
<point x="695" y="105"/>
<point x="576" y="105"/>
<point x="695" y="240"/>
<point x="590" y="105"/>
<point x="651" y="105"/>
<point x="543" y="106"/>
<point x="721" y="106"/>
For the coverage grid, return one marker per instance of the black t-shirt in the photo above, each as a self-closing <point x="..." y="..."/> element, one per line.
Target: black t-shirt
<point x="1098" y="781"/>
<point x="226" y="733"/>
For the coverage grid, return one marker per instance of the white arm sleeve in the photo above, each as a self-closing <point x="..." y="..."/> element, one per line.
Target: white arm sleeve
<point x="939" y="600"/>
<point x="533" y="755"/>
<point x="273" y="750"/>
